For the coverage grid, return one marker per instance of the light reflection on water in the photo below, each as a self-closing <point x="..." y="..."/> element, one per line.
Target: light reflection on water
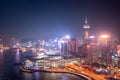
<point x="8" y="71"/>
<point x="17" y="58"/>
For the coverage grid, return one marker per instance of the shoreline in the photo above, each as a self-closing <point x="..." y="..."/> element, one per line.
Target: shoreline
<point x="56" y="71"/>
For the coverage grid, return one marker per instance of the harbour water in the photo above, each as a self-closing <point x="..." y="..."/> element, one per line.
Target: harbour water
<point x="10" y="71"/>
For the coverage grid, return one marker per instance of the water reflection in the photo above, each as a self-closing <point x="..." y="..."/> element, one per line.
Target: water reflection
<point x="27" y="76"/>
<point x="17" y="57"/>
<point x="36" y="75"/>
<point x="1" y="63"/>
<point x="8" y="71"/>
<point x="64" y="78"/>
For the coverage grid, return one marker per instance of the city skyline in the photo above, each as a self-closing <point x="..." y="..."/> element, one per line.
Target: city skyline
<point x="50" y="19"/>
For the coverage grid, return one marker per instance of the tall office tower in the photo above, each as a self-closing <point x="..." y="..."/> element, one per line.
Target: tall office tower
<point x="86" y="28"/>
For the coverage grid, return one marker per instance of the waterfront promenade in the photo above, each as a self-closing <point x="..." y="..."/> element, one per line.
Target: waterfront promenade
<point x="72" y="69"/>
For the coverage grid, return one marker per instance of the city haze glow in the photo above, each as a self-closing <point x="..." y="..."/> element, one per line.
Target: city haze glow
<point x="104" y="36"/>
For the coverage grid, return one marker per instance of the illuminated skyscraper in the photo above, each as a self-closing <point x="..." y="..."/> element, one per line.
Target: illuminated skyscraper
<point x="86" y="29"/>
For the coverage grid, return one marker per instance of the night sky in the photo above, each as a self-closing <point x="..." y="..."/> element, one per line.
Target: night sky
<point x="44" y="19"/>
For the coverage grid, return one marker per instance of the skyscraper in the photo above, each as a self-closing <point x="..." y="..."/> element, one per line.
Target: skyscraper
<point x="86" y="28"/>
